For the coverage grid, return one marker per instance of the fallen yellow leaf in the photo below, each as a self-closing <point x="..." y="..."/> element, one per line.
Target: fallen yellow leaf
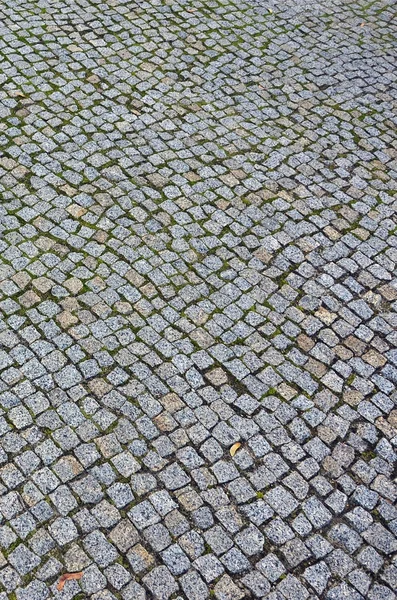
<point x="234" y="448"/>
<point x="67" y="577"/>
<point x="17" y="93"/>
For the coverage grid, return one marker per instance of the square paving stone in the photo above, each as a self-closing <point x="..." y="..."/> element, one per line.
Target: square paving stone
<point x="161" y="583"/>
<point x="23" y="559"/>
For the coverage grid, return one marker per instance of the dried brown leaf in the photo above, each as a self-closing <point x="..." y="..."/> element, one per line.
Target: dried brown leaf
<point x="234" y="448"/>
<point x="67" y="577"/>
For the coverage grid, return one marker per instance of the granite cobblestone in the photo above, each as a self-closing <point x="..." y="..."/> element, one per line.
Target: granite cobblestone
<point x="198" y="248"/>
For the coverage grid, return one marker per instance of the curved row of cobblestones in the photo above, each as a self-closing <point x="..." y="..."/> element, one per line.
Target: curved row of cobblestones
<point x="198" y="248"/>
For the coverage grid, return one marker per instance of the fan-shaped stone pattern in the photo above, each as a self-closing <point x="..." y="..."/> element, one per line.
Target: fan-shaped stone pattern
<point x="198" y="248"/>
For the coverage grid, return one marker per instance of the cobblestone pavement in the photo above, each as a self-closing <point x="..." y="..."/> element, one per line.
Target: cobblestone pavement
<point x="198" y="248"/>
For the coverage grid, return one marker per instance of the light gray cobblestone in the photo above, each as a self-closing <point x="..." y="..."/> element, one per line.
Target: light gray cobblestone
<point x="198" y="248"/>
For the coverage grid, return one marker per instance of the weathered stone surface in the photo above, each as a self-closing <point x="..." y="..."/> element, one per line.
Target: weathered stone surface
<point x="197" y="248"/>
